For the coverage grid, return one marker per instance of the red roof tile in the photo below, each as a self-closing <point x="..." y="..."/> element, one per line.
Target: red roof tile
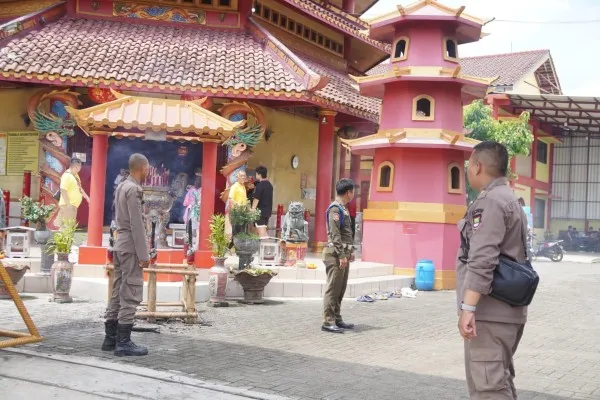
<point x="134" y="53"/>
<point x="343" y="89"/>
<point x="509" y="68"/>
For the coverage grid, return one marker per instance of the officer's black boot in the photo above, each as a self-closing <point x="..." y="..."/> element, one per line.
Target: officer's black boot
<point x="125" y="347"/>
<point x="344" y="325"/>
<point x="110" y="340"/>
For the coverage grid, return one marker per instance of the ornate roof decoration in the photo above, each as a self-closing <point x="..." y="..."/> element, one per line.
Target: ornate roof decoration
<point x="148" y="113"/>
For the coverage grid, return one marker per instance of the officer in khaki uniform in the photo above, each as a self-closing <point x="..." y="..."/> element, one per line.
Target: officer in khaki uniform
<point x="337" y="256"/>
<point x="494" y="224"/>
<point x="130" y="256"/>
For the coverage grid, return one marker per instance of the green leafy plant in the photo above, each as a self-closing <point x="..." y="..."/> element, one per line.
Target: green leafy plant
<point x="243" y="214"/>
<point x="62" y="240"/>
<point x="514" y="134"/>
<point x="35" y="212"/>
<point x="247" y="236"/>
<point x="218" y="238"/>
<point x="257" y="271"/>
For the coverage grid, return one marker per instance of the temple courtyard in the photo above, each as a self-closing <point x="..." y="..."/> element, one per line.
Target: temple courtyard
<point x="403" y="348"/>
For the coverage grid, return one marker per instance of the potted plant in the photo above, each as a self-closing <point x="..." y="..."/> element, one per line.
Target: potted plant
<point x="37" y="213"/>
<point x="61" y="275"/>
<point x="218" y="274"/>
<point x="246" y="244"/>
<point x="254" y="280"/>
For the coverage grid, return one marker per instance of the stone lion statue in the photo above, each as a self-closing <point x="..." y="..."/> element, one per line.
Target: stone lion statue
<point x="295" y="228"/>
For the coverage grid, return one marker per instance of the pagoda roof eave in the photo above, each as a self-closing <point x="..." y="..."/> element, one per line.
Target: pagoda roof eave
<point x="147" y="113"/>
<point x="412" y="138"/>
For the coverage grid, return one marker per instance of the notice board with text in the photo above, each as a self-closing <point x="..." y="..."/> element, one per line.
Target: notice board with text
<point x="22" y="152"/>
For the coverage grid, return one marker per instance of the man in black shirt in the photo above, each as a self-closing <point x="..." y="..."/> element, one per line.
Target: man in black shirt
<point x="263" y="200"/>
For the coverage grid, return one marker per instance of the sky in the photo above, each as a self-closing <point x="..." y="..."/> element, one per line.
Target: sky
<point x="575" y="47"/>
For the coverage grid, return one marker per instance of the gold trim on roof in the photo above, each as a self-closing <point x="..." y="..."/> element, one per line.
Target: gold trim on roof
<point x="136" y="112"/>
<point x="396" y="135"/>
<point x="422" y="71"/>
<point x="413" y="8"/>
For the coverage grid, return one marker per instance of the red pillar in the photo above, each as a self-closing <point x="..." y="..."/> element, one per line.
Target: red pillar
<point x="324" y="172"/>
<point x="202" y="258"/>
<point x="97" y="184"/>
<point x="342" y="172"/>
<point x="348" y="6"/>
<point x="355" y="176"/>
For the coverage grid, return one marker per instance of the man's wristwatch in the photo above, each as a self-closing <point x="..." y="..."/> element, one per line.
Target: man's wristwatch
<point x="467" y="307"/>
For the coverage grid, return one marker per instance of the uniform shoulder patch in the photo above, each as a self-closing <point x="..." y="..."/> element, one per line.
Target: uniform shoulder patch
<point x="477" y="216"/>
<point x="336" y="216"/>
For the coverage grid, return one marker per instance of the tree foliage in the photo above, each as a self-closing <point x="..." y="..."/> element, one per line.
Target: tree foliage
<point x="514" y="134"/>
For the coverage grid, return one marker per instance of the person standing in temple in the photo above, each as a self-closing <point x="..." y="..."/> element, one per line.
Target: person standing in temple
<point x="131" y="255"/>
<point x="495" y="225"/>
<point x="192" y="204"/>
<point x="337" y="256"/>
<point x="263" y="200"/>
<point x="71" y="193"/>
<point x="237" y="196"/>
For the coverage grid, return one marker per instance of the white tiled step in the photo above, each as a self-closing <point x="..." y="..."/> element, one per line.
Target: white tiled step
<point x="356" y="287"/>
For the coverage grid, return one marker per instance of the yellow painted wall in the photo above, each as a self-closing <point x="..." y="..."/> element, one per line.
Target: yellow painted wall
<point x="292" y="135"/>
<point x="13" y="103"/>
<point x="542" y="172"/>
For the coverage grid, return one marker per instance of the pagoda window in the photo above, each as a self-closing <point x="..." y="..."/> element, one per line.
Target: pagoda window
<point x="283" y="21"/>
<point x="313" y="35"/>
<point x="450" y="50"/>
<point x="267" y="13"/>
<point x="328" y="43"/>
<point x="275" y="17"/>
<point x="299" y="29"/>
<point x="423" y="108"/>
<point x="225" y="3"/>
<point x="400" y="49"/>
<point x="258" y="9"/>
<point x="385" y="177"/>
<point x="306" y="33"/>
<point x="320" y="39"/>
<point x="455" y="179"/>
<point x="291" y="25"/>
<point x="206" y="2"/>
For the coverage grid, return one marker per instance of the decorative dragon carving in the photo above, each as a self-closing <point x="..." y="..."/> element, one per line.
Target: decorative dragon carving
<point x="46" y="110"/>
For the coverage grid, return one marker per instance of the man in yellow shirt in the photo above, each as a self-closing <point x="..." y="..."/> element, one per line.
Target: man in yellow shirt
<point x="71" y="193"/>
<point x="237" y="191"/>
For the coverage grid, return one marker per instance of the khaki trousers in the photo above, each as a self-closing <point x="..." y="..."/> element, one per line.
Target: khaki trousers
<point x="489" y="361"/>
<point x="337" y="280"/>
<point x="127" y="290"/>
<point x="66" y="213"/>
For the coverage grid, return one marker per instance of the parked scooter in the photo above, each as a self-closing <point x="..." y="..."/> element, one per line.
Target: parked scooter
<point x="551" y="249"/>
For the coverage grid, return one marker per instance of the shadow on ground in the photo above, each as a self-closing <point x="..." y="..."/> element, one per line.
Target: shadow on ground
<point x="266" y="370"/>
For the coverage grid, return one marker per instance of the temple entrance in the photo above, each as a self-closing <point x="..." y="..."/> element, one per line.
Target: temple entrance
<point x="175" y="164"/>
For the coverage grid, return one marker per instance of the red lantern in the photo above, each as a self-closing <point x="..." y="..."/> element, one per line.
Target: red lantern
<point x="101" y="95"/>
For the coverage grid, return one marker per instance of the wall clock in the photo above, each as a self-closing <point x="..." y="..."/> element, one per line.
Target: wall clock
<point x="295" y="162"/>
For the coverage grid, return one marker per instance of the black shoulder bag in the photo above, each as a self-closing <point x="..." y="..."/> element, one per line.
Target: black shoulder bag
<point x="514" y="283"/>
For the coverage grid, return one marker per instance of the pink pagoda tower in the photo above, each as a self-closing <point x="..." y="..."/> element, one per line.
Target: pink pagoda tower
<point x="417" y="190"/>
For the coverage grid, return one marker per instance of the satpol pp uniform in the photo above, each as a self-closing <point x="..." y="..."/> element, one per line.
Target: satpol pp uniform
<point x="131" y="248"/>
<point x="494" y="224"/>
<point x="340" y="245"/>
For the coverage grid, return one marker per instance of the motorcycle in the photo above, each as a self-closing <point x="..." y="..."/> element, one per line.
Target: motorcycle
<point x="549" y="249"/>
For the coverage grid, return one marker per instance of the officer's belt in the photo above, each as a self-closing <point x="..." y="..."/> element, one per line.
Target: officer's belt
<point x="344" y="246"/>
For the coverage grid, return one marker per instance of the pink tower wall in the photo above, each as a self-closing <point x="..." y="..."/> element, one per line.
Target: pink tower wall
<point x="426" y="46"/>
<point x="420" y="176"/>
<point x="396" y="111"/>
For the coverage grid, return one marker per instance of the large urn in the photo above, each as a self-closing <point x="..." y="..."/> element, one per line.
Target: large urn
<point x="61" y="277"/>
<point x="15" y="273"/>
<point x="157" y="208"/>
<point x="218" y="276"/>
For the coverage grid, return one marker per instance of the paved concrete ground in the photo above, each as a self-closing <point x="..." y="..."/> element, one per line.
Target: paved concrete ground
<point x="402" y="348"/>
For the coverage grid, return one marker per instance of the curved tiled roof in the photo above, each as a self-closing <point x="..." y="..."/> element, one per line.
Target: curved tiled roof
<point x="135" y="53"/>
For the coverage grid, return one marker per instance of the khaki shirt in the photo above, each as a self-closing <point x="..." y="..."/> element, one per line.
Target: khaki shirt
<point x="131" y="233"/>
<point x="339" y="236"/>
<point x="493" y="225"/>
